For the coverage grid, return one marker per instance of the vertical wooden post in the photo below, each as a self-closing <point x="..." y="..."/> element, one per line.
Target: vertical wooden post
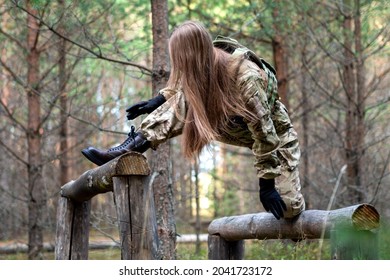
<point x="128" y="177"/>
<point x="220" y="249"/>
<point x="349" y="244"/>
<point x="136" y="218"/>
<point x="72" y="233"/>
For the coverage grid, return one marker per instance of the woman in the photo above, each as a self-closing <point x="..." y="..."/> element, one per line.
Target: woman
<point x="216" y="92"/>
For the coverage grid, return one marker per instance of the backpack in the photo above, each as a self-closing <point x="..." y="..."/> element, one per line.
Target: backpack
<point x="230" y="45"/>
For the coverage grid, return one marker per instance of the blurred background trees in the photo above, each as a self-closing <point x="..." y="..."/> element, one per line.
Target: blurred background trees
<point x="69" y="69"/>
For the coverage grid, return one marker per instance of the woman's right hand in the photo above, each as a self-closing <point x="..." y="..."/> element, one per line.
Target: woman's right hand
<point x="145" y="107"/>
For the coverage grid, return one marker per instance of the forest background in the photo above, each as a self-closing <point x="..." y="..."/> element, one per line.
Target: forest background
<point x="69" y="69"/>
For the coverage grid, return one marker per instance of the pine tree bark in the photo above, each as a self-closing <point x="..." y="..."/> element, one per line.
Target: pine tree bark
<point x="305" y="175"/>
<point x="64" y="146"/>
<point x="161" y="165"/>
<point x="353" y="80"/>
<point x="36" y="191"/>
<point x="360" y="108"/>
<point x="280" y="57"/>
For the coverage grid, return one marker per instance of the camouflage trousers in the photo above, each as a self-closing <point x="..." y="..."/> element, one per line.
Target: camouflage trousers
<point x="167" y="121"/>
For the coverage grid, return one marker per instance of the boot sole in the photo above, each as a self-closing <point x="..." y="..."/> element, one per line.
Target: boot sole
<point x="91" y="157"/>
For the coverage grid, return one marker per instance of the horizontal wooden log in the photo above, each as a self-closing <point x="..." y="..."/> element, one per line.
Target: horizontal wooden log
<point x="99" y="180"/>
<point x="310" y="224"/>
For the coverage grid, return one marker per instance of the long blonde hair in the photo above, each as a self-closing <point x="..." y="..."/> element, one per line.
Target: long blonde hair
<point x="207" y="77"/>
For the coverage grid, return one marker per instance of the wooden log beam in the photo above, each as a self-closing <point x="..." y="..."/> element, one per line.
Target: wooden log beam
<point x="100" y="179"/>
<point x="310" y="224"/>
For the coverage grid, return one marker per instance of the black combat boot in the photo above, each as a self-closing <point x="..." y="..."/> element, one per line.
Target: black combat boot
<point x="134" y="142"/>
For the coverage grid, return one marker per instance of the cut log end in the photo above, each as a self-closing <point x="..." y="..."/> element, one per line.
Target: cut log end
<point x="132" y="163"/>
<point x="365" y="217"/>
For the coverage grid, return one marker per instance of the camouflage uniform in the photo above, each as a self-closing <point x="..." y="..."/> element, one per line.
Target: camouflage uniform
<point x="271" y="138"/>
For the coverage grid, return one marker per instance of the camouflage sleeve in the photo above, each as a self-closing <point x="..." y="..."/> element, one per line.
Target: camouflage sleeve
<point x="167" y="92"/>
<point x="266" y="141"/>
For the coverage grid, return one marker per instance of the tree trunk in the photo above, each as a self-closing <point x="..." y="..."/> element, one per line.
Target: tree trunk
<point x="161" y="165"/>
<point x="5" y="87"/>
<point x="354" y="121"/>
<point x="197" y="203"/>
<point x="222" y="174"/>
<point x="305" y="174"/>
<point x="280" y="57"/>
<point x="36" y="191"/>
<point x="360" y="107"/>
<point x="64" y="147"/>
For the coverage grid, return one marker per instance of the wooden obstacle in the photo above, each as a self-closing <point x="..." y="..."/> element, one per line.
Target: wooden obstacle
<point x="351" y="230"/>
<point x="128" y="178"/>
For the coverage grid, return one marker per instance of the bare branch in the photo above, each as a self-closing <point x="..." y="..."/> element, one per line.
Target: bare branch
<point x="377" y="188"/>
<point x="11" y="151"/>
<point x="99" y="55"/>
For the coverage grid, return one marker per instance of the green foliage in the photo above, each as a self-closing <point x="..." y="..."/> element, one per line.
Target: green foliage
<point x="384" y="241"/>
<point x="38" y="4"/>
<point x="285" y="250"/>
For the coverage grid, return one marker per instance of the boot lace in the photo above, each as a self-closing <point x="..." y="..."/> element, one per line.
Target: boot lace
<point x="132" y="134"/>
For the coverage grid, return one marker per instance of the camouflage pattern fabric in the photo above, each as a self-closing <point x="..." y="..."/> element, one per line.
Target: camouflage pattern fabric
<point x="271" y="137"/>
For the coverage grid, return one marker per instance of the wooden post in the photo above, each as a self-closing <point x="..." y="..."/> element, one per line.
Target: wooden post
<point x="136" y="217"/>
<point x="72" y="234"/>
<point x="127" y="176"/>
<point x="220" y="249"/>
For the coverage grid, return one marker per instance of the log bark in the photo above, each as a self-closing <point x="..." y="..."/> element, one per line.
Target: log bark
<point x="100" y="179"/>
<point x="310" y="224"/>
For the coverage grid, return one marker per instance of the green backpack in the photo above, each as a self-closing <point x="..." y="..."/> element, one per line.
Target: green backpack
<point x="230" y="45"/>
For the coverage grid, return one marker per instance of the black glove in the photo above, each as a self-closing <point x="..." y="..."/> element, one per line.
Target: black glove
<point x="144" y="107"/>
<point x="271" y="199"/>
